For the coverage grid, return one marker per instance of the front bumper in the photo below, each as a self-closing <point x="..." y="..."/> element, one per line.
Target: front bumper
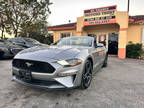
<point x="61" y="79"/>
<point x="42" y="86"/>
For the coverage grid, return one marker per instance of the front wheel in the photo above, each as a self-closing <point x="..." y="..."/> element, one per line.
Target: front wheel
<point x="87" y="75"/>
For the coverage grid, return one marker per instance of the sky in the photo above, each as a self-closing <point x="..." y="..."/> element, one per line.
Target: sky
<point x="65" y="10"/>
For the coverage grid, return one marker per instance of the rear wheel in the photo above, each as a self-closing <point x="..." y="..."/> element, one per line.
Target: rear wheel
<point x="87" y="75"/>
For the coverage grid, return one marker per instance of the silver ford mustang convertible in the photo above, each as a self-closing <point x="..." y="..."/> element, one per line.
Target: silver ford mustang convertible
<point x="69" y="63"/>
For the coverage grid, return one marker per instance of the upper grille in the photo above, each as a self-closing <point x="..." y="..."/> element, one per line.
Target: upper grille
<point x="34" y="66"/>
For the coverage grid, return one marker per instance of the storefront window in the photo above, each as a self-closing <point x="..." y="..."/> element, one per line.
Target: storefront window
<point x="102" y="39"/>
<point x="93" y="35"/>
<point x="63" y="35"/>
<point x="113" y="37"/>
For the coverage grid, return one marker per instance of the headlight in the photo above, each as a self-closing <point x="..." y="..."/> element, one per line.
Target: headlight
<point x="70" y="62"/>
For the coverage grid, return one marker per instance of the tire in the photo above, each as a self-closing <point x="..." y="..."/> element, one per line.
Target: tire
<point x="86" y="75"/>
<point x="105" y="61"/>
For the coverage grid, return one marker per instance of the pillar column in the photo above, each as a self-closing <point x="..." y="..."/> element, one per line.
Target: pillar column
<point x="122" y="43"/>
<point x="79" y="28"/>
<point x="123" y="21"/>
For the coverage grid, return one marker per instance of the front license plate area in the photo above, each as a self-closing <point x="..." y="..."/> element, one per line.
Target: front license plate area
<point x="25" y="75"/>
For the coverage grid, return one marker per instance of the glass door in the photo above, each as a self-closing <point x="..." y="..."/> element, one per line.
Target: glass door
<point x="113" y="43"/>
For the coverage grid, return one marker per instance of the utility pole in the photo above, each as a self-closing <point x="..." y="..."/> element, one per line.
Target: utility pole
<point x="128" y="5"/>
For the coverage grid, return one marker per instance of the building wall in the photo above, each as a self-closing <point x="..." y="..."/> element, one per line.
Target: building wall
<point x="127" y="32"/>
<point x="123" y="20"/>
<point x="109" y="28"/>
<point x="57" y="34"/>
<point x="79" y="27"/>
<point x="135" y="33"/>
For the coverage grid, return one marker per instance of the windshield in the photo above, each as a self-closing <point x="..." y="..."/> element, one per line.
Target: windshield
<point x="31" y="40"/>
<point x="78" y="41"/>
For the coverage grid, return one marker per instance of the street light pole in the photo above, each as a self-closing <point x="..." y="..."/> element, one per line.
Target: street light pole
<point x="128" y="5"/>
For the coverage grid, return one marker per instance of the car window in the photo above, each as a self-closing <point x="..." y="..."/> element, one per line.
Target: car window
<point x="16" y="40"/>
<point x="30" y="40"/>
<point x="78" y="41"/>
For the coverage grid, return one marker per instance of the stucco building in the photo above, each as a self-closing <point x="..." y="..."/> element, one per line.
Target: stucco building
<point x="113" y="28"/>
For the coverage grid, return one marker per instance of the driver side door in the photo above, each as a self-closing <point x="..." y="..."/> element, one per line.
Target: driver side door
<point x="96" y="56"/>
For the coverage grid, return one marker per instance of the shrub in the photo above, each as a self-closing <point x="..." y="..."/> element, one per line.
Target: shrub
<point x="142" y="57"/>
<point x="134" y="50"/>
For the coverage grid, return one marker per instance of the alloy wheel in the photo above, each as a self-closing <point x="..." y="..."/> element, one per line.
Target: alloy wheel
<point x="87" y="75"/>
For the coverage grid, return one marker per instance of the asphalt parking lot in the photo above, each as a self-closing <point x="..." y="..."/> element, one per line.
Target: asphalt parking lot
<point x="120" y="85"/>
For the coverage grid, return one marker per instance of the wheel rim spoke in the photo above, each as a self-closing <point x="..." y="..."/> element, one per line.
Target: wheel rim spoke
<point x="88" y="74"/>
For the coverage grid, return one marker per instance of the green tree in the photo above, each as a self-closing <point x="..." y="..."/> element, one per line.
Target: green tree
<point x="2" y="21"/>
<point x="21" y="13"/>
<point x="2" y="27"/>
<point x="38" y="30"/>
<point x="134" y="50"/>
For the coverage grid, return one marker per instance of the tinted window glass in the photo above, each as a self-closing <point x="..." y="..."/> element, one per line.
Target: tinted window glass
<point x="17" y="40"/>
<point x="31" y="40"/>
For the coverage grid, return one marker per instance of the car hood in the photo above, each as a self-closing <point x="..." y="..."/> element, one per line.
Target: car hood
<point x="48" y="53"/>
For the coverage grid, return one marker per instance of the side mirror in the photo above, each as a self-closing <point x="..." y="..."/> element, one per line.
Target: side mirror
<point x="100" y="45"/>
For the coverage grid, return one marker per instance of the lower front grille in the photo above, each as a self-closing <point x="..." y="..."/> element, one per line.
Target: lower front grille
<point x="33" y="66"/>
<point x="39" y="82"/>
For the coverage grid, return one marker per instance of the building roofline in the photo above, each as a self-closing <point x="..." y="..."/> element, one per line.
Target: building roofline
<point x="72" y="26"/>
<point x="69" y="26"/>
<point x="136" y="19"/>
